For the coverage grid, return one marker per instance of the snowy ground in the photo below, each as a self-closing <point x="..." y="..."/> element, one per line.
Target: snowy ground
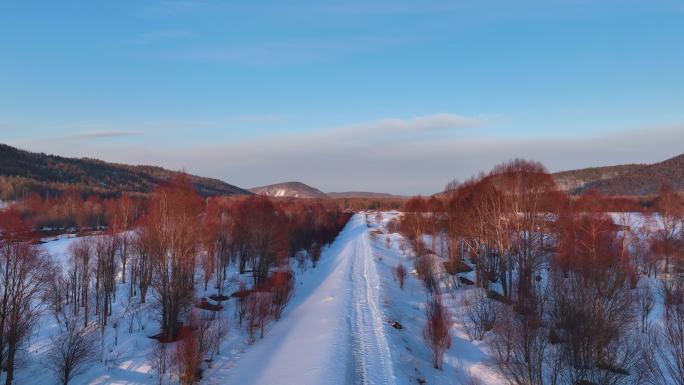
<point x="124" y="351"/>
<point x="337" y="329"/>
<point x="122" y="359"/>
<point x="331" y="333"/>
<point x="411" y="359"/>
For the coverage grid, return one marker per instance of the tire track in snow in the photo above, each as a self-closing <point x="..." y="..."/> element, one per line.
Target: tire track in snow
<point x="333" y="331"/>
<point x="371" y="361"/>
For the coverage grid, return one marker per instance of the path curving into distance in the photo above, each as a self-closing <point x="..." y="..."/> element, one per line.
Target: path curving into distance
<point x="332" y="332"/>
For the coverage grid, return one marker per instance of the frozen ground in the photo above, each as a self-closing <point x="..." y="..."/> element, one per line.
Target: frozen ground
<point x="336" y="329"/>
<point x="332" y="332"/>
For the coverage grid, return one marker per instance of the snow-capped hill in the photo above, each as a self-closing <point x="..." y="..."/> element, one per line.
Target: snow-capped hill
<point x="289" y="190"/>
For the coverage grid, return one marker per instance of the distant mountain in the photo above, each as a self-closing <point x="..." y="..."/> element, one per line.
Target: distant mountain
<point x="628" y="180"/>
<point x="363" y="194"/>
<point x="585" y="178"/>
<point x="289" y="190"/>
<point x="23" y="171"/>
<point x="301" y="190"/>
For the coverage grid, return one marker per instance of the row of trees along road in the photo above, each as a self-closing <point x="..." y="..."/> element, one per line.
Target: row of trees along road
<point x="164" y="247"/>
<point x="564" y="290"/>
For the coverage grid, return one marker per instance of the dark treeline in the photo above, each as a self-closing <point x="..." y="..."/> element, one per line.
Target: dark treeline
<point x="563" y="287"/>
<point x="362" y="203"/>
<point x="165" y="247"/>
<point x="71" y="210"/>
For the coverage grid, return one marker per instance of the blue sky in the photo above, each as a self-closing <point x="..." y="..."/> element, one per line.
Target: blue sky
<point x="397" y="96"/>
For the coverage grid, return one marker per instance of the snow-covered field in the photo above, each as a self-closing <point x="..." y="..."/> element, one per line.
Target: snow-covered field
<point x="336" y="329"/>
<point x="332" y="332"/>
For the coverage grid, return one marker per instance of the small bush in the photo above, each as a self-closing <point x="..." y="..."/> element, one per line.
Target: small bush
<point x="400" y="275"/>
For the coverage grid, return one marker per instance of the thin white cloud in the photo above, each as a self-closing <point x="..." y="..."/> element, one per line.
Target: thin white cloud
<point x="419" y="124"/>
<point x="98" y="134"/>
<point x="412" y="166"/>
<point x="398" y="157"/>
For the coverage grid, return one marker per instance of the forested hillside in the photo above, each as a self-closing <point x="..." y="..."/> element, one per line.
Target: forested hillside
<point x="625" y="180"/>
<point x="573" y="180"/>
<point x="644" y="180"/>
<point x="23" y="172"/>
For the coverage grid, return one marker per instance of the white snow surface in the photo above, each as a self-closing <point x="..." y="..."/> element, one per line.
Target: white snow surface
<point x="335" y="330"/>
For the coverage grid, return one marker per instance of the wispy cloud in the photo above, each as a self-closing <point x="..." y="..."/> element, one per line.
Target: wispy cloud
<point x="416" y="164"/>
<point x="419" y="124"/>
<point x="63" y="141"/>
<point x="401" y="155"/>
<point x="97" y="134"/>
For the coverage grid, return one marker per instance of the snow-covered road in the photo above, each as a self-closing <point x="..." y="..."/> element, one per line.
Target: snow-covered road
<point x="370" y="351"/>
<point x="332" y="332"/>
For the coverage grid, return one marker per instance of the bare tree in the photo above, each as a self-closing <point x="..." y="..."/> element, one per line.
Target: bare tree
<point x="188" y="359"/>
<point x="425" y="269"/>
<point x="106" y="247"/>
<point x="80" y="274"/>
<point x="261" y="226"/>
<point x="172" y="226"/>
<point x="142" y="264"/>
<point x="477" y="313"/>
<point x="24" y="276"/>
<point x="71" y="350"/>
<point x="400" y="275"/>
<point x="314" y="252"/>
<point x="413" y="223"/>
<point x="121" y="214"/>
<point x="525" y="187"/>
<point x="281" y="286"/>
<point x="241" y="305"/>
<point x="437" y="330"/>
<point x="672" y="291"/>
<point x="645" y="303"/>
<point x="452" y="186"/>
<point x="670" y="214"/>
<point x="221" y="329"/>
<point x="258" y="313"/>
<point x="522" y="351"/>
<point x="159" y="356"/>
<point x="593" y="306"/>
<point x="663" y="351"/>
